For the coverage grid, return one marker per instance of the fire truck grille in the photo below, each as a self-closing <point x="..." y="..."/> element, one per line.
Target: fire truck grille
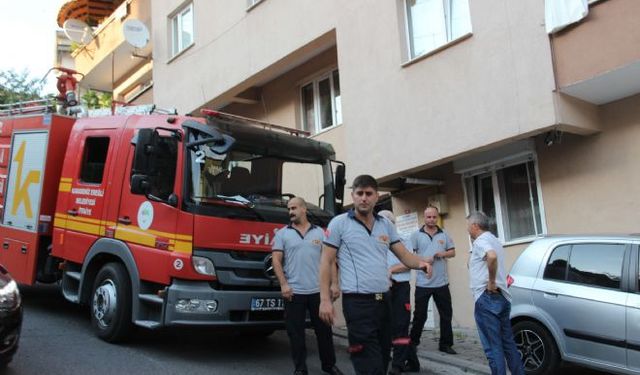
<point x="249" y="255"/>
<point x="240" y="270"/>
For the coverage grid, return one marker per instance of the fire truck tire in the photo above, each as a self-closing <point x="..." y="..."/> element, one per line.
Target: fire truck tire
<point x="111" y="303"/>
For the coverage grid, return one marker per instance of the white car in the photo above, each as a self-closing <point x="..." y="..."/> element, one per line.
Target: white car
<point x="577" y="299"/>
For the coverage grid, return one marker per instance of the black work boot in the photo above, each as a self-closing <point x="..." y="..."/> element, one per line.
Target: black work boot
<point x="412" y="364"/>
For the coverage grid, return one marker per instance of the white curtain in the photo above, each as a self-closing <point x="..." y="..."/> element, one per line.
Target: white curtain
<point x="560" y="13"/>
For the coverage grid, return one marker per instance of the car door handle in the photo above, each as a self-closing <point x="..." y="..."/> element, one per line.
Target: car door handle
<point x="72" y="212"/>
<point x="124" y="220"/>
<point x="550" y="295"/>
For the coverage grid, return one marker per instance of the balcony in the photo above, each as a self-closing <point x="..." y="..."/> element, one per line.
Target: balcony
<point x="108" y="61"/>
<point x="598" y="59"/>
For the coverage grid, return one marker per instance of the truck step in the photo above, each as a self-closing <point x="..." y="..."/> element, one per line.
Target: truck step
<point x="151" y="298"/>
<point x="150" y="324"/>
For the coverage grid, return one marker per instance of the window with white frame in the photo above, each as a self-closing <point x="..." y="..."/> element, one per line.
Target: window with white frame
<point x="320" y="102"/>
<point x="509" y="194"/>
<point x="434" y="23"/>
<point x="182" y="29"/>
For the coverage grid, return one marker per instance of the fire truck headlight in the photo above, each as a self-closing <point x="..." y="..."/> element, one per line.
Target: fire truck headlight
<point x="197" y="305"/>
<point x="9" y="295"/>
<point x="203" y="266"/>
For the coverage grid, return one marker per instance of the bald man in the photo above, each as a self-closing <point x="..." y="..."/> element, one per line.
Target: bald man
<point x="299" y="244"/>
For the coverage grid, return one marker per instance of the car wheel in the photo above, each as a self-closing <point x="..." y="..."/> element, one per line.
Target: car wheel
<point x="537" y="348"/>
<point x="111" y="303"/>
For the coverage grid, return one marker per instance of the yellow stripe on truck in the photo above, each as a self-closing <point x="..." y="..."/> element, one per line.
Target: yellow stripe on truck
<point x="135" y="236"/>
<point x="85" y="227"/>
<point x="182" y="247"/>
<point x="181" y="243"/>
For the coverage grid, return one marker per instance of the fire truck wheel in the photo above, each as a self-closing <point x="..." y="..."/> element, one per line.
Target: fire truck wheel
<point x="111" y="303"/>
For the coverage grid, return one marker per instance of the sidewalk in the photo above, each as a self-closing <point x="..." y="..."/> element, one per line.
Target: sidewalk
<point x="470" y="357"/>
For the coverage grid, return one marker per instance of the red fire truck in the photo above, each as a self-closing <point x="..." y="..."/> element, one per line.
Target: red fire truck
<point x="157" y="220"/>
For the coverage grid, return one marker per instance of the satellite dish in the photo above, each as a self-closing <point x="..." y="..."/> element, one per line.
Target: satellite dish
<point x="77" y="31"/>
<point x="135" y="33"/>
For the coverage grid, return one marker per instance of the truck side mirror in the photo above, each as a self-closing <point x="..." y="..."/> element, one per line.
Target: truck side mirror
<point x="140" y="184"/>
<point x="173" y="200"/>
<point x="340" y="182"/>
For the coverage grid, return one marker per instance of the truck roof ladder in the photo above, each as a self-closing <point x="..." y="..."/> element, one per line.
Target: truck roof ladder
<point x="262" y="124"/>
<point x="30" y="107"/>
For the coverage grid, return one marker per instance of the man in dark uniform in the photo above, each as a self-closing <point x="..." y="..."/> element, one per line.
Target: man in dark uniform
<point x="299" y="244"/>
<point x="362" y="239"/>
<point x="400" y="291"/>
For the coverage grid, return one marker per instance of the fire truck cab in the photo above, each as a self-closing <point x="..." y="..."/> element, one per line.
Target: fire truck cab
<point x="158" y="220"/>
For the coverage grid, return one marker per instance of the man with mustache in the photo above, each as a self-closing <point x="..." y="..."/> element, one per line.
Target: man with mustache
<point x="361" y="240"/>
<point x="299" y="244"/>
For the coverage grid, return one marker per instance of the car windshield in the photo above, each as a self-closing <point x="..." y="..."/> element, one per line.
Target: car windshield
<point x="241" y="177"/>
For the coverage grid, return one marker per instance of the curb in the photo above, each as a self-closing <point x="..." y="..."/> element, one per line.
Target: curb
<point x="462" y="364"/>
<point x="445" y="359"/>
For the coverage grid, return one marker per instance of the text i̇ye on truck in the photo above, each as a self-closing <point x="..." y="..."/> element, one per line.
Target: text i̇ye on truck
<point x="157" y="220"/>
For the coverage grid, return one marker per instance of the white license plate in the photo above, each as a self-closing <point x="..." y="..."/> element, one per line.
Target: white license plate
<point x="266" y="304"/>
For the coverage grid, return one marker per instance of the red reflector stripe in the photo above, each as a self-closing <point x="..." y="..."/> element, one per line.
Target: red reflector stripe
<point x="401" y="341"/>
<point x="355" y="348"/>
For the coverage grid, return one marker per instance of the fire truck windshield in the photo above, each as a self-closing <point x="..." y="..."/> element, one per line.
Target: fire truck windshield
<point x="256" y="183"/>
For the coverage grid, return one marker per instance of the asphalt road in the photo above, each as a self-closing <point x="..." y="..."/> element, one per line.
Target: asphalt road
<point x="57" y="339"/>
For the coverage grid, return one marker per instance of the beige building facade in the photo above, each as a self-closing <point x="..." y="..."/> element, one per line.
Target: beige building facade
<point x="467" y="104"/>
<point x="115" y="54"/>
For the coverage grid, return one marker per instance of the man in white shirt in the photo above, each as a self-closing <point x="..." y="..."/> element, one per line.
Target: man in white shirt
<point x="488" y="279"/>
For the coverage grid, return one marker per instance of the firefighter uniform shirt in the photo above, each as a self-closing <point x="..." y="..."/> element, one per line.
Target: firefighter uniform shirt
<point x="392" y="260"/>
<point x="426" y="246"/>
<point x="362" y="254"/>
<point x="301" y="257"/>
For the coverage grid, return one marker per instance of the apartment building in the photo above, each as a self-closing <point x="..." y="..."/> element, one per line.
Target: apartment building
<point x="108" y="61"/>
<point x="465" y="104"/>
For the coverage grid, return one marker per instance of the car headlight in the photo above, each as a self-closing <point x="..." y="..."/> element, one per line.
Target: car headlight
<point x="203" y="266"/>
<point x="9" y="295"/>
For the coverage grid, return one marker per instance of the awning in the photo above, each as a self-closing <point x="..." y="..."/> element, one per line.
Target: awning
<point x="89" y="11"/>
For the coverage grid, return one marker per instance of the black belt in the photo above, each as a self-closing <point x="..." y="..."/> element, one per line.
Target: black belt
<point x="398" y="282"/>
<point x="366" y="296"/>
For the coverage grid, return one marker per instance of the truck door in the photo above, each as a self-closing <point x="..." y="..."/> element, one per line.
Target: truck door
<point x="22" y="201"/>
<point x="147" y="222"/>
<point x="86" y="197"/>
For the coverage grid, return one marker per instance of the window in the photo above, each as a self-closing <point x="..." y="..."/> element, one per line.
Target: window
<point x="596" y="264"/>
<point x="507" y="193"/>
<point x="182" y="29"/>
<point x="434" y="23"/>
<point x="592" y="264"/>
<point x="93" y="160"/>
<point x="165" y="158"/>
<point x="557" y="265"/>
<point x="321" y="104"/>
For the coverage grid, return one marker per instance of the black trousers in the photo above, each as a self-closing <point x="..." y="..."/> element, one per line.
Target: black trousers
<point x="442" y="297"/>
<point x="368" y="322"/>
<point x="400" y="320"/>
<point x="295" y="313"/>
